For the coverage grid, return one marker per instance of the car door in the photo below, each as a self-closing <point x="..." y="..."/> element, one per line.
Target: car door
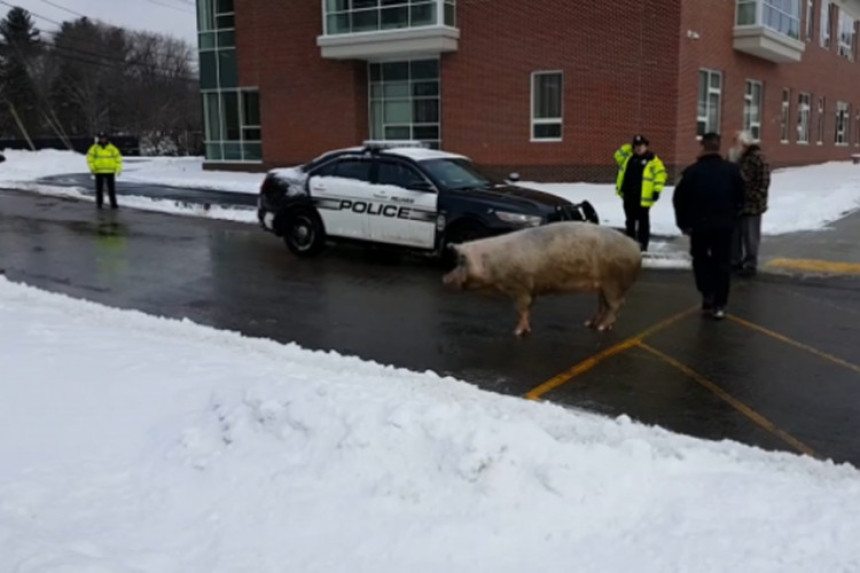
<point x="409" y="205"/>
<point x="339" y="190"/>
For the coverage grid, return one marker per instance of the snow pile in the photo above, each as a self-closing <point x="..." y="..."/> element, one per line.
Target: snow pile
<point x="188" y="172"/>
<point x="23" y="166"/>
<point x="133" y="443"/>
<point x="800" y="199"/>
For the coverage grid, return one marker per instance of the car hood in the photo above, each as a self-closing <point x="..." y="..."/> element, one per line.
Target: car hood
<point x="523" y="194"/>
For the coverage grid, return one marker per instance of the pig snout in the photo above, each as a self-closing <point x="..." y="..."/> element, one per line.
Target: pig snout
<point x="455" y="279"/>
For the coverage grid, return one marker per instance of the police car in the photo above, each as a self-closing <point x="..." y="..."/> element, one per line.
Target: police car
<point x="399" y="194"/>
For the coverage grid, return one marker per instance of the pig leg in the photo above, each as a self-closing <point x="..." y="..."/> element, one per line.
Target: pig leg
<point x="524" y="305"/>
<point x="602" y="307"/>
<point x="614" y="297"/>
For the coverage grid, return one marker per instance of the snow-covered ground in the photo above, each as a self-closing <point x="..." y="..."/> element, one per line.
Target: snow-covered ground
<point x="131" y="443"/>
<point x="801" y="198"/>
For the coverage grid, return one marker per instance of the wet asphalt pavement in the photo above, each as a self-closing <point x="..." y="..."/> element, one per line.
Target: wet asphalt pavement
<point x="780" y="373"/>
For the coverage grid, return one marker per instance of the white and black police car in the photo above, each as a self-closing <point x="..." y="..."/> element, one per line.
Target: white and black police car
<point x="399" y="194"/>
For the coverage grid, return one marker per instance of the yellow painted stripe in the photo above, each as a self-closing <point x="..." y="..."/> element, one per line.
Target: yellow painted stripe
<point x="816" y="266"/>
<point x="591" y="362"/>
<point x="732" y="401"/>
<point x="796" y="344"/>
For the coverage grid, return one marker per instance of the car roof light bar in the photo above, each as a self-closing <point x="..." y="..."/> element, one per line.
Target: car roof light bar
<point x="393" y="143"/>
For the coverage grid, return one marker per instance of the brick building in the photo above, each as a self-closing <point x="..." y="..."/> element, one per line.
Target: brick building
<point x="548" y="88"/>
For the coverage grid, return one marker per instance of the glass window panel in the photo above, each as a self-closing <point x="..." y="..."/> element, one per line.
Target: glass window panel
<point x="450" y="15"/>
<point x="232" y="151"/>
<point x="212" y="111"/>
<point x="397" y="132"/>
<point x="746" y="14"/>
<point x="365" y="21"/>
<point x="715" y="80"/>
<point x="396" y="173"/>
<point x="391" y="18"/>
<point x="225" y="6"/>
<point x="336" y="5"/>
<point x="205" y="15"/>
<point x="425" y="111"/>
<point x="227" y="21"/>
<point x="376" y="120"/>
<point x="547" y="131"/>
<point x="208" y="71"/>
<point x="252" y="151"/>
<point x="395" y="71"/>
<point x="376" y="91"/>
<point x="360" y="4"/>
<point x="251" y="107"/>
<point x="227" y="39"/>
<point x="375" y="72"/>
<point x="214" y="152"/>
<point x="353" y="169"/>
<point x="396" y="90"/>
<point x="713" y="112"/>
<point x="206" y="40"/>
<point x="425" y="89"/>
<point x="338" y="23"/>
<point x="228" y="75"/>
<point x="547" y="96"/>
<point x="230" y="114"/>
<point x="251" y="134"/>
<point x="422" y="132"/>
<point x="423" y="14"/>
<point x="397" y="112"/>
<point x="424" y="69"/>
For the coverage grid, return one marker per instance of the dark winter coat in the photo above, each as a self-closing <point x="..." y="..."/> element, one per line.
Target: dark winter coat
<point x="756" y="174"/>
<point x="709" y="196"/>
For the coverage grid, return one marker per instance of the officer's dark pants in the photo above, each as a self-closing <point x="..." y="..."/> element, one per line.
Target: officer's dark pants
<point x="638" y="223"/>
<point x="711" y="251"/>
<point x="101" y="179"/>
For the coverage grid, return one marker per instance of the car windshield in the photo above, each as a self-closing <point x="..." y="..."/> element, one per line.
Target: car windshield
<point x="456" y="174"/>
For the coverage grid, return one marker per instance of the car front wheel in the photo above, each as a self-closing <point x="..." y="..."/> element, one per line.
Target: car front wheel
<point x="303" y="232"/>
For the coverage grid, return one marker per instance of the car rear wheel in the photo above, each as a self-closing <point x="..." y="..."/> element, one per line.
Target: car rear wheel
<point x="303" y="232"/>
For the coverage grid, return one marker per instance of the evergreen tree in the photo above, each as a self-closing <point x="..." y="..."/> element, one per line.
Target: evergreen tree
<point x="20" y="47"/>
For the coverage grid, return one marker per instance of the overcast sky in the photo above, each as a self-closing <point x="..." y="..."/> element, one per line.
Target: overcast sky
<point x="173" y="17"/>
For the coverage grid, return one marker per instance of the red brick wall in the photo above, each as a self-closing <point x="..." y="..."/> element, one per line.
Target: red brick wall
<point x="308" y="104"/>
<point x="821" y="72"/>
<point x="620" y="63"/>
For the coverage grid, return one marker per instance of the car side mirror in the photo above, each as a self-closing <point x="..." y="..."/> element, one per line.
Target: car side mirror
<point x="514" y="177"/>
<point x="424" y="186"/>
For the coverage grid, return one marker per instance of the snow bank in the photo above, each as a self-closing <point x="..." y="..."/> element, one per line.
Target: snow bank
<point x="801" y="199"/>
<point x="133" y="443"/>
<point x="188" y="172"/>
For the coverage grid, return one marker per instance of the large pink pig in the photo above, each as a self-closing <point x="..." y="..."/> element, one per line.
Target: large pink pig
<point x="557" y="258"/>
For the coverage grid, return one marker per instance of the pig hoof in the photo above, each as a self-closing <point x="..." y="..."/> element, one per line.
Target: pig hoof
<point x="604" y="327"/>
<point x="522" y="331"/>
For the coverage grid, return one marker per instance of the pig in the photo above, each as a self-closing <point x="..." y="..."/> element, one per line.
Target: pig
<point x="556" y="258"/>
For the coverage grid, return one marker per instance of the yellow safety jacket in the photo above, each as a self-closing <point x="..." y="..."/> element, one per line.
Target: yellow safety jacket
<point x="104" y="159"/>
<point x="653" y="176"/>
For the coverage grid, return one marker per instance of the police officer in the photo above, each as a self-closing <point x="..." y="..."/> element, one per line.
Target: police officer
<point x="105" y="162"/>
<point x="640" y="180"/>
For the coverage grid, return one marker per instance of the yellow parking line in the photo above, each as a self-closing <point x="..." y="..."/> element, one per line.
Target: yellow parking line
<point x="732" y="401"/>
<point x="592" y="361"/>
<point x="816" y="266"/>
<point x="796" y="344"/>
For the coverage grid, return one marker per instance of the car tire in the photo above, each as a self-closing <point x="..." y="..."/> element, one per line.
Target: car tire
<point x="303" y="232"/>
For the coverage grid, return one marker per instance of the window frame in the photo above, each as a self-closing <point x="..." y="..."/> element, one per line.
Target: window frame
<point x="533" y="121"/>
<point x="709" y="73"/>
<point x="843" y="49"/>
<point x="748" y="122"/>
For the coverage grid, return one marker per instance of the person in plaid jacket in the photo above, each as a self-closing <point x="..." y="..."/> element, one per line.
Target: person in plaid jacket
<point x="756" y="174"/>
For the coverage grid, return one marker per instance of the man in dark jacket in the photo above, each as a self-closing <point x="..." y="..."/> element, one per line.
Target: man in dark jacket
<point x="756" y="174"/>
<point x="707" y="202"/>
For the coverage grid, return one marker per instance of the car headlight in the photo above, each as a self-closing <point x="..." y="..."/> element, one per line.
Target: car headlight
<point x="519" y="218"/>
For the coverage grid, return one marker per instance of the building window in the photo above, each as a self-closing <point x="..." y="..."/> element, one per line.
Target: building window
<point x="846" y="35"/>
<point x="857" y="123"/>
<point x="821" y="118"/>
<point x="405" y="101"/>
<point x="810" y="19"/>
<point x="752" y="108"/>
<point x="784" y="115"/>
<point x="826" y="10"/>
<point x="231" y="114"/>
<point x="233" y="130"/>
<point x="547" y="106"/>
<point x="782" y="16"/>
<point x="804" y="109"/>
<point x="843" y="123"/>
<point x="710" y="95"/>
<point x="354" y="16"/>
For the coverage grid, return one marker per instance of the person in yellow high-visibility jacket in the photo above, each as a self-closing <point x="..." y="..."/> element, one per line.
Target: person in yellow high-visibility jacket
<point x="640" y="180"/>
<point x="105" y="162"/>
